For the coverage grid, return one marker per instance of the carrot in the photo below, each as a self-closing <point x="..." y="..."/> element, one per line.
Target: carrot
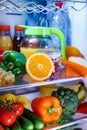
<point x="64" y="62"/>
<point x="77" y="65"/>
<point x="71" y="71"/>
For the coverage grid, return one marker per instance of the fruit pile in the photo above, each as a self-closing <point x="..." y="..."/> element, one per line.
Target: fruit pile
<point x="15" y="115"/>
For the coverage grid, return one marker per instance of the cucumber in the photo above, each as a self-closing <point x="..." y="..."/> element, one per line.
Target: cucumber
<point x="16" y="126"/>
<point x="25" y="123"/>
<point x="38" y="123"/>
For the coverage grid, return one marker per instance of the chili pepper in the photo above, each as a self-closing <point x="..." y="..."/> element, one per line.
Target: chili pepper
<point x="14" y="61"/>
<point x="47" y="108"/>
<point x="82" y="108"/>
<point x="1" y="55"/>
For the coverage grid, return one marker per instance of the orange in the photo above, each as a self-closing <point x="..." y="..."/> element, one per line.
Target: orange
<point x="72" y="51"/>
<point x="39" y="66"/>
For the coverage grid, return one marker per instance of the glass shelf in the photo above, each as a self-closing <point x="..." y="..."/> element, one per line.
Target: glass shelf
<point x="25" y="85"/>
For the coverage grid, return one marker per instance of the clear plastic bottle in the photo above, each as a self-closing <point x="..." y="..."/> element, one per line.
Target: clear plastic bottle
<point x="5" y="38"/>
<point x="18" y="36"/>
<point x="43" y="21"/>
<point x="32" y="18"/>
<point x="60" y="20"/>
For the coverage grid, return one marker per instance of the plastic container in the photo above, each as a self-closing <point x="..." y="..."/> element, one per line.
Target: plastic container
<point x="56" y="58"/>
<point x="33" y="18"/>
<point x="5" y="38"/>
<point x="61" y="21"/>
<point x="43" y="21"/>
<point x="18" y="36"/>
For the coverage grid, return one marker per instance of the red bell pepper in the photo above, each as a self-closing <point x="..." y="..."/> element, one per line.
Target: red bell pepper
<point x="1" y="55"/>
<point x="82" y="108"/>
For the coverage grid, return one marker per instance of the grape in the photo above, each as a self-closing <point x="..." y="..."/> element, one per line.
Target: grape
<point x="6" y="78"/>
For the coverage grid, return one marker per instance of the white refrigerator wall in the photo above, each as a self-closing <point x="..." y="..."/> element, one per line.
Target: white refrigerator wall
<point x="79" y="27"/>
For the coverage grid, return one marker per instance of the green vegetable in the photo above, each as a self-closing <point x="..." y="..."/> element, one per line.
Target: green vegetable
<point x="63" y="120"/>
<point x="26" y="124"/>
<point x="38" y="123"/>
<point x="16" y="126"/>
<point x="68" y="100"/>
<point x="14" y="61"/>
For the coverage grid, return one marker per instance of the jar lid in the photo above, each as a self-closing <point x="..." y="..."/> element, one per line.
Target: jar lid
<point x="17" y="28"/>
<point x="4" y="27"/>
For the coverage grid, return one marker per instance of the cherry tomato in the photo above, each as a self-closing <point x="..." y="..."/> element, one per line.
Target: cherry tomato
<point x="7" y="117"/>
<point x="19" y="108"/>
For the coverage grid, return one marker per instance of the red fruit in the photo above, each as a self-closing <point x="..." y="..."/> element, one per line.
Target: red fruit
<point x="19" y="108"/>
<point x="7" y="117"/>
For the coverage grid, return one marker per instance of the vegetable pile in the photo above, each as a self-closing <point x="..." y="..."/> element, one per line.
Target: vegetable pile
<point x="47" y="111"/>
<point x="14" y="116"/>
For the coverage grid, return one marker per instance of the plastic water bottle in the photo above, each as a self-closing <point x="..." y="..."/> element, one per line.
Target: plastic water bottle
<point x="60" y="20"/>
<point x="33" y="18"/>
<point x="43" y="21"/>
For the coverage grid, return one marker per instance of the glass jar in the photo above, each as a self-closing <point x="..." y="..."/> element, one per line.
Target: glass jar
<point x="55" y="56"/>
<point x="5" y="38"/>
<point x="33" y="44"/>
<point x="18" y="36"/>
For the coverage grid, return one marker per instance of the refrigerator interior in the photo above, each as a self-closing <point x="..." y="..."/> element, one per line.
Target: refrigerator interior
<point x="29" y="13"/>
<point x="11" y="14"/>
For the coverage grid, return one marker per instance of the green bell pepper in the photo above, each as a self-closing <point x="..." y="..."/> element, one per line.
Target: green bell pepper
<point x="14" y="61"/>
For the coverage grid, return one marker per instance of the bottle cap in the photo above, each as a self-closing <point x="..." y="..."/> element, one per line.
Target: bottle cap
<point x="4" y="27"/>
<point x="59" y="4"/>
<point x="17" y="28"/>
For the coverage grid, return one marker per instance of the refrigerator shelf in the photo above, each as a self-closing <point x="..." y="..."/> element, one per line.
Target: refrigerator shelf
<point x="30" y="7"/>
<point x="25" y="85"/>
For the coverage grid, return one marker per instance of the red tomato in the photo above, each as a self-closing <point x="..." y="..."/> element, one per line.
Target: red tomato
<point x="19" y="108"/>
<point x="7" y="117"/>
<point x="1" y="127"/>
